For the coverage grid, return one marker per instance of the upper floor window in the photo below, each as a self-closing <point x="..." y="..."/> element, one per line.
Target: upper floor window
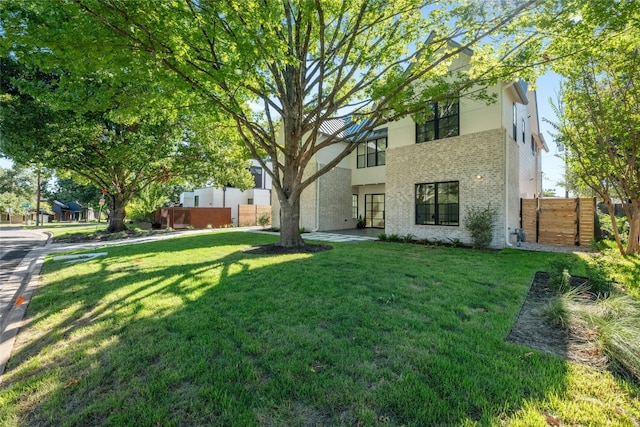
<point x="533" y="146"/>
<point x="523" y="131"/>
<point x="515" y="122"/>
<point x="438" y="203"/>
<point x="256" y="171"/>
<point x="374" y="151"/>
<point x="442" y="120"/>
<point x="196" y="201"/>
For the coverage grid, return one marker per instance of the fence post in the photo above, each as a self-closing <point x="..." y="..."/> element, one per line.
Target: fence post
<point x="576" y="239"/>
<point x="537" y="219"/>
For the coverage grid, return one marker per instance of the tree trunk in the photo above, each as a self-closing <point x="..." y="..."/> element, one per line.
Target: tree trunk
<point x="633" y="245"/>
<point x="290" y="223"/>
<point x="116" y="215"/>
<point x="614" y="224"/>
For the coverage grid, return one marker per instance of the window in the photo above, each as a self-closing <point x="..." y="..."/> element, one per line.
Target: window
<point x="354" y="206"/>
<point x="374" y="210"/>
<point x="533" y="146"/>
<point x="373" y="152"/>
<point x="256" y="171"/>
<point x="515" y="122"/>
<point x="523" y="131"/>
<point x="442" y="121"/>
<point x="438" y="203"/>
<point x="196" y="201"/>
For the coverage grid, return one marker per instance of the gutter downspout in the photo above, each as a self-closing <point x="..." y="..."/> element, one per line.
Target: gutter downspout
<point x="317" y="199"/>
<point x="506" y="183"/>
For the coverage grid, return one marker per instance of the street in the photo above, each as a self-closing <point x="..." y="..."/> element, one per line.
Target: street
<point x="15" y="266"/>
<point x="14" y="245"/>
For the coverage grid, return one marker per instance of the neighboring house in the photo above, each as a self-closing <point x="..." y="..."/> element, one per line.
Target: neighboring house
<point x="230" y="197"/>
<point x="71" y="211"/>
<point x="420" y="179"/>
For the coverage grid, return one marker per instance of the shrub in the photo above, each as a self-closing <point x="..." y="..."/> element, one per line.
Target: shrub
<point x="480" y="223"/>
<point x="456" y="243"/>
<point x="393" y="237"/>
<point x="408" y="238"/>
<point x="606" y="229"/>
<point x="560" y="282"/>
<point x="382" y="236"/>
<point x="264" y="219"/>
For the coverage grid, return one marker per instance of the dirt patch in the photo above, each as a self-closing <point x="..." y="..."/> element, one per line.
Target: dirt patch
<point x="532" y="329"/>
<point x="281" y="250"/>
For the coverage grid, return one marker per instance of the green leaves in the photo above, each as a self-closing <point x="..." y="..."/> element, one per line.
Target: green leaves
<point x="598" y="120"/>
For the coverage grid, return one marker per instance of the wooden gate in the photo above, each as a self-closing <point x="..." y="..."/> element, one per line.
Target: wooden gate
<point x="556" y="221"/>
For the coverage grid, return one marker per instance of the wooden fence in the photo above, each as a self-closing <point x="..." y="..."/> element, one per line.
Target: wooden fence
<point x="193" y="217"/>
<point x="556" y="221"/>
<point x="248" y="214"/>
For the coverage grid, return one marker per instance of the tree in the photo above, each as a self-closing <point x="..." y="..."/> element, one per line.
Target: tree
<point x="598" y="117"/>
<point x="66" y="189"/>
<point x="20" y="181"/>
<point x="281" y="69"/>
<point x="145" y="203"/>
<point x="55" y="119"/>
<point x="18" y="185"/>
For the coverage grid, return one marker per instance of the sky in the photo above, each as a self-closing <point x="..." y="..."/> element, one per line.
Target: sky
<point x="547" y="88"/>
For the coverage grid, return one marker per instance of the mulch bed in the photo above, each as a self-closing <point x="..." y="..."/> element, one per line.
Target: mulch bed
<point x="281" y="250"/>
<point x="531" y="329"/>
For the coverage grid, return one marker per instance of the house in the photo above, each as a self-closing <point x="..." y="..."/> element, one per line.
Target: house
<point x="231" y="197"/>
<point x="419" y="179"/>
<point x="71" y="211"/>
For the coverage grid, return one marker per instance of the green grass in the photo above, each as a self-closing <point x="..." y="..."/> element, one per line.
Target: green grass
<point x="192" y="331"/>
<point x="69" y="231"/>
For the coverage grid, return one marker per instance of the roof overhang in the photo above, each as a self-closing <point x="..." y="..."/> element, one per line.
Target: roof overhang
<point x="541" y="144"/>
<point x="518" y="90"/>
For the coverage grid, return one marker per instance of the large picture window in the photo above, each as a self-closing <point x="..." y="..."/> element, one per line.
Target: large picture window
<point x="442" y="120"/>
<point x="438" y="203"/>
<point x="373" y="152"/>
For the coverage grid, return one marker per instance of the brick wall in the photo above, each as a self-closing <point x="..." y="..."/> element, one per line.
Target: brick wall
<point x="334" y="192"/>
<point x="461" y="159"/>
<point x="335" y="200"/>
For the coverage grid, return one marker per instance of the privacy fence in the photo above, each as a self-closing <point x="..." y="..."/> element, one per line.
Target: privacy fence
<point x="555" y="221"/>
<point x="249" y="214"/>
<point x="180" y="217"/>
<point x="193" y="217"/>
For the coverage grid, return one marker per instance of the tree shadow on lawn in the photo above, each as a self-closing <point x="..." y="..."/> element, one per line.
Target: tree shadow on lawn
<point x="248" y="340"/>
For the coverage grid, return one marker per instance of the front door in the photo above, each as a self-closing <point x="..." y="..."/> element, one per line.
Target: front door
<point x="374" y="210"/>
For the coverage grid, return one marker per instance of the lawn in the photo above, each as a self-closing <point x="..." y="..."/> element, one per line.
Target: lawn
<point x="192" y="331"/>
<point x="70" y="232"/>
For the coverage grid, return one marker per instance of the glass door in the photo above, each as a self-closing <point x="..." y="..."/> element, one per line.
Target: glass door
<point x="374" y="210"/>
